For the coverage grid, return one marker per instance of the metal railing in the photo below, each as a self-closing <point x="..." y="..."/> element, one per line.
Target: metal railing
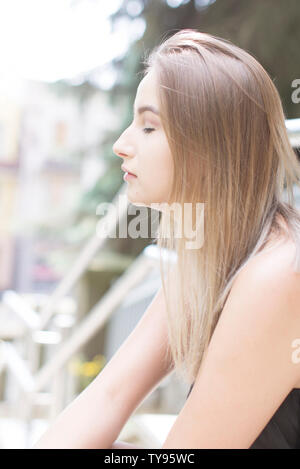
<point x="33" y="383"/>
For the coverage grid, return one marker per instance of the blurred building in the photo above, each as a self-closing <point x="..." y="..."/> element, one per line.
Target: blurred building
<point x="49" y="155"/>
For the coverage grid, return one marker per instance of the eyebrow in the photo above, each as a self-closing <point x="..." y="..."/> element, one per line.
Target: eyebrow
<point x="148" y="108"/>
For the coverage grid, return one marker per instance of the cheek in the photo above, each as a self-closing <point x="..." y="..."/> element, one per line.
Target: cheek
<point x="159" y="162"/>
<point x="158" y="175"/>
<point x="167" y="165"/>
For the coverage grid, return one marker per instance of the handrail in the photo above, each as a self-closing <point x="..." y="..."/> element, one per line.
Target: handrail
<point x="95" y="319"/>
<point x="27" y="314"/>
<point x="33" y="383"/>
<point x="17" y="366"/>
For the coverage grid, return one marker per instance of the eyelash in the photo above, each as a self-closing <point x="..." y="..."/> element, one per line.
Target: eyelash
<point x="148" y="130"/>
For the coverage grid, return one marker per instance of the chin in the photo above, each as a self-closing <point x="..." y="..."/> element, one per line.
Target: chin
<point x="136" y="202"/>
<point x="157" y="204"/>
<point x="139" y="204"/>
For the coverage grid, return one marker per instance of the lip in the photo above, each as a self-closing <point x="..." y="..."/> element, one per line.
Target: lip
<point x="127" y="171"/>
<point x="129" y="177"/>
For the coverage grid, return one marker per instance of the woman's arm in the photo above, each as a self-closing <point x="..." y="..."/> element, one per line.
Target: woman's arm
<point x="96" y="417"/>
<point x="92" y="420"/>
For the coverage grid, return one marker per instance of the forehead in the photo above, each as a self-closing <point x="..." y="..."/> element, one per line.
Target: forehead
<point x="147" y="90"/>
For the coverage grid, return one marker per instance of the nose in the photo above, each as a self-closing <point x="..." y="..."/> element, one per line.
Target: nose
<point x="121" y="149"/>
<point x="116" y="149"/>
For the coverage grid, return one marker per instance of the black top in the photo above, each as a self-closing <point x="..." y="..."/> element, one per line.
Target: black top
<point x="283" y="429"/>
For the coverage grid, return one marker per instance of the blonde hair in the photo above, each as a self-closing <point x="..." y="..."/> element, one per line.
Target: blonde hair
<point x="225" y="125"/>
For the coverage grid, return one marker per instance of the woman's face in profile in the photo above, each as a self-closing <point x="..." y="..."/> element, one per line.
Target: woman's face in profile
<point x="145" y="150"/>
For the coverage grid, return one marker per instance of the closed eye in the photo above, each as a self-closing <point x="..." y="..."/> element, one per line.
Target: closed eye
<point x="148" y="130"/>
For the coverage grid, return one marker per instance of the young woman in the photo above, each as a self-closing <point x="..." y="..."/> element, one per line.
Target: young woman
<point x="209" y="128"/>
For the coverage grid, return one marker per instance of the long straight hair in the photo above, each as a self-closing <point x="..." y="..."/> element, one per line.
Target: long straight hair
<point x="225" y="126"/>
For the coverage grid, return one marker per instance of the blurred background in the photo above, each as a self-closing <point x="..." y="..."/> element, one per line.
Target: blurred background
<point x="69" y="70"/>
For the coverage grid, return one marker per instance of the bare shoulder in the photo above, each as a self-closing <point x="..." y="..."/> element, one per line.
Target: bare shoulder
<point x="268" y="288"/>
<point x="263" y="308"/>
<point x="278" y="257"/>
<point x="248" y="369"/>
<point x="271" y="274"/>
